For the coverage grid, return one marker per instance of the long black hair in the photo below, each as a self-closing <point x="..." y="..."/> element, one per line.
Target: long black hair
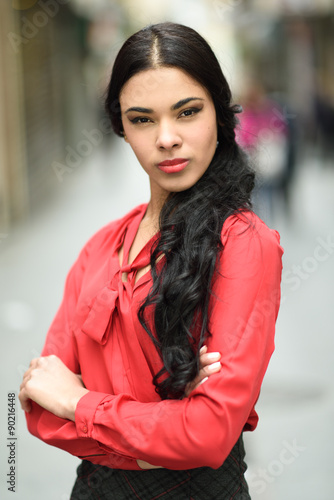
<point x="190" y="221"/>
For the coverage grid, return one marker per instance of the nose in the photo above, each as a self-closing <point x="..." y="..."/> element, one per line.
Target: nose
<point x="168" y="137"/>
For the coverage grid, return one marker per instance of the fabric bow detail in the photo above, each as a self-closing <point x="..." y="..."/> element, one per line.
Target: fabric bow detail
<point x="100" y="314"/>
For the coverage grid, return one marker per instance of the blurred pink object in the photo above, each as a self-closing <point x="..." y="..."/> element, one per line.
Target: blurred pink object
<point x="258" y="123"/>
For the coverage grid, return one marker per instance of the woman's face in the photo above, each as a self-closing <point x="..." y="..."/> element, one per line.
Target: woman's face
<point x="170" y="122"/>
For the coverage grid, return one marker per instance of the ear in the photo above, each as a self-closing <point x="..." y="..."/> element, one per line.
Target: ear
<point x="124" y="136"/>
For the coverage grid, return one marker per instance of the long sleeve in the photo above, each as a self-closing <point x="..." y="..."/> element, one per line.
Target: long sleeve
<point x="61" y="342"/>
<point x="202" y="429"/>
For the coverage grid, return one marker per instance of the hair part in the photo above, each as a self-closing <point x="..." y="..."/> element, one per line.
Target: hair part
<point x="155" y="53"/>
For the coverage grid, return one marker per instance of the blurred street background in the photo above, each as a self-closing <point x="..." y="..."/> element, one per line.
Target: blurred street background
<point x="63" y="176"/>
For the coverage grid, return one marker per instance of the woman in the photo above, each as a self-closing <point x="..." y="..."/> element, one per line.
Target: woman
<point x="188" y="282"/>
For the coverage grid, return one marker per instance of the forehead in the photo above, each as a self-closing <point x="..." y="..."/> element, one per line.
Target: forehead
<point x="161" y="84"/>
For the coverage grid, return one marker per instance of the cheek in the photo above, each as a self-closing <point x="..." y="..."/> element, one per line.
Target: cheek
<point x="141" y="149"/>
<point x="205" y="137"/>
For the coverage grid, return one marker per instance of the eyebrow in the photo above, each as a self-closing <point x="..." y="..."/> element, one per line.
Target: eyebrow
<point x="178" y="105"/>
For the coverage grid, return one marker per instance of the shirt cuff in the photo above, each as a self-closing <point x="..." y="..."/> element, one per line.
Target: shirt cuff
<point x="85" y="412"/>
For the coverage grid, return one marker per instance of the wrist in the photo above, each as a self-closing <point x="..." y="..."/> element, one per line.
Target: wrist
<point x="80" y="392"/>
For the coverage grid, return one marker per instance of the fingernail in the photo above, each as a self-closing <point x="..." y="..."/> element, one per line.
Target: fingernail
<point x="204" y="379"/>
<point x="202" y="349"/>
<point x="214" y="366"/>
<point x="213" y="355"/>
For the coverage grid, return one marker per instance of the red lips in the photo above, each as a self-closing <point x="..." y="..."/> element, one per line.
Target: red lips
<point x="173" y="166"/>
<point x="171" y="163"/>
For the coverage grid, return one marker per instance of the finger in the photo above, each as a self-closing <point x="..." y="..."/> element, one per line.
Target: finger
<point x="208" y="370"/>
<point x="209" y="364"/>
<point x="26" y="378"/>
<point x="24" y="401"/>
<point x="193" y="385"/>
<point x="42" y="361"/>
<point x="27" y="375"/>
<point x="203" y="350"/>
<point x="34" y="362"/>
<point x="32" y="366"/>
<point x="205" y="373"/>
<point x="31" y="373"/>
<point x="208" y="358"/>
<point x="202" y="381"/>
<point x="26" y="406"/>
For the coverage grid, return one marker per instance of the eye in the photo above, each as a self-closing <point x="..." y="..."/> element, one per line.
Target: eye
<point x="140" y="119"/>
<point x="190" y="112"/>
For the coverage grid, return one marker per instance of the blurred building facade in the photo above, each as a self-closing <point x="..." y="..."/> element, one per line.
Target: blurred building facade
<point x="55" y="56"/>
<point x="41" y="64"/>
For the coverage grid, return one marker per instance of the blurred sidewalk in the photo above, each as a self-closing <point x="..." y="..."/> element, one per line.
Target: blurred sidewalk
<point x="290" y="455"/>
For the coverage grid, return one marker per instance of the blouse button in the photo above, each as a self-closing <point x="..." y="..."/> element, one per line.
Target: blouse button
<point x="85" y="430"/>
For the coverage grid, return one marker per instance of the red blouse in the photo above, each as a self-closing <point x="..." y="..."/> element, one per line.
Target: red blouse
<point x="96" y="332"/>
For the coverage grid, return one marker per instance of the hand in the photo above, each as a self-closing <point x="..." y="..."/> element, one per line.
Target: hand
<point x="209" y="364"/>
<point x="53" y="386"/>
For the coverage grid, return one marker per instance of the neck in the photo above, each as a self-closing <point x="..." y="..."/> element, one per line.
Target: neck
<point x="154" y="207"/>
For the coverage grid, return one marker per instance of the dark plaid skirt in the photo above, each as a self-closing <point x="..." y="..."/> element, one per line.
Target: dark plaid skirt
<point x="95" y="482"/>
